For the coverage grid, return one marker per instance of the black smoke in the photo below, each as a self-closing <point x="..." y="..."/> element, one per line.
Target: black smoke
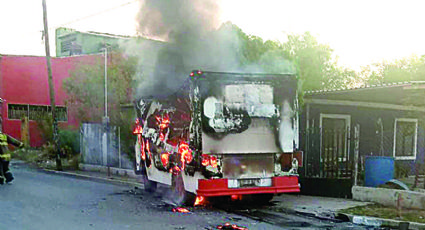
<point x="193" y="39"/>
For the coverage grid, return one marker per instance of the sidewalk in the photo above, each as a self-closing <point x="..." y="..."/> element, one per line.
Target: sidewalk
<point x="319" y="207"/>
<point x="103" y="174"/>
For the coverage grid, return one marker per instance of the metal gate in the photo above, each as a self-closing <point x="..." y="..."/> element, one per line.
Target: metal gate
<point x="102" y="147"/>
<point x="328" y="154"/>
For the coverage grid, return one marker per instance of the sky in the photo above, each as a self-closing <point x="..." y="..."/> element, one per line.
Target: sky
<point x="360" y="32"/>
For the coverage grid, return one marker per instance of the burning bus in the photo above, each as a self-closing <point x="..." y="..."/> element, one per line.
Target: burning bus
<point x="221" y="134"/>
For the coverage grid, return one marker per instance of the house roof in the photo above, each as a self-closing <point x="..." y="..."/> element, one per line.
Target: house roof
<point x="117" y="36"/>
<point x="400" y="93"/>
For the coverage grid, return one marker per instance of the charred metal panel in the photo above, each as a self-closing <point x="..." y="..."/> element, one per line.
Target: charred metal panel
<point x="258" y="138"/>
<point x="248" y="113"/>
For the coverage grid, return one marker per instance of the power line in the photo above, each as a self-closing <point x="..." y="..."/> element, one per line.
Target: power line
<point x="96" y="14"/>
<point x="25" y="33"/>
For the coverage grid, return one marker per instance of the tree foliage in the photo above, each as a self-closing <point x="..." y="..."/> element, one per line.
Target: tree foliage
<point x="313" y="62"/>
<point x="85" y="90"/>
<point x="410" y="68"/>
<point x="85" y="87"/>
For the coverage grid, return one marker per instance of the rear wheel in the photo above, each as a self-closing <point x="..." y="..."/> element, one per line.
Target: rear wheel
<point x="149" y="186"/>
<point x="179" y="196"/>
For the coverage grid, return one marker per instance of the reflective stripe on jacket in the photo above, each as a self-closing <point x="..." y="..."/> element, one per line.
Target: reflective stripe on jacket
<point x="3" y="139"/>
<point x="5" y="157"/>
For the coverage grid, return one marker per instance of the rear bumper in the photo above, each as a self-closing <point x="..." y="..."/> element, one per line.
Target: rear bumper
<point x="219" y="187"/>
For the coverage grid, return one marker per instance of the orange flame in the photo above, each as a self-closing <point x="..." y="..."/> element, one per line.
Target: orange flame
<point x="213" y="161"/>
<point x="200" y="200"/>
<point x="181" y="210"/>
<point x="138" y="128"/>
<point x="149" y="152"/>
<point x="163" y="121"/>
<point x="205" y="160"/>
<point x="186" y="153"/>
<point x="142" y="149"/>
<point x="175" y="170"/>
<point x="164" y="159"/>
<point x="227" y="225"/>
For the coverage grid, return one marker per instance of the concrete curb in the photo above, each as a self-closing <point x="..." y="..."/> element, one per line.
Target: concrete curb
<point x="390" y="197"/>
<point x="379" y="222"/>
<point x="94" y="178"/>
<point x="112" y="170"/>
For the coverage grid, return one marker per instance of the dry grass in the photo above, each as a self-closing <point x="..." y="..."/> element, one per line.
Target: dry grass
<point x="40" y="159"/>
<point x="376" y="210"/>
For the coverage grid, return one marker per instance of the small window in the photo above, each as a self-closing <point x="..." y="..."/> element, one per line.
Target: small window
<point x="405" y="137"/>
<point x="16" y="111"/>
<point x="61" y="113"/>
<point x="37" y="112"/>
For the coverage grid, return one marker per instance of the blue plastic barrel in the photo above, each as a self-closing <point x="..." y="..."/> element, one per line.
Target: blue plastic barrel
<point x="378" y="170"/>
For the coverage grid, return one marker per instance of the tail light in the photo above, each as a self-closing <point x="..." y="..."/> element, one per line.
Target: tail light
<point x="165" y="159"/>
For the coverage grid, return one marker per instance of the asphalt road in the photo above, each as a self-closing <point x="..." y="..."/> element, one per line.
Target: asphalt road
<point x="38" y="200"/>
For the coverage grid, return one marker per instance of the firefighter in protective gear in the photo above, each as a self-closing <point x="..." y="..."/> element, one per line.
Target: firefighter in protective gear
<point x="5" y="140"/>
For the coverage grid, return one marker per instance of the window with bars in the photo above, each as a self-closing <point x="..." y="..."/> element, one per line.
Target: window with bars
<point x="17" y="111"/>
<point x="35" y="112"/>
<point x="405" y="137"/>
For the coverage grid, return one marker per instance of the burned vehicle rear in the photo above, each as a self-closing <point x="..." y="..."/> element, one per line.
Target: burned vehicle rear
<point x="222" y="134"/>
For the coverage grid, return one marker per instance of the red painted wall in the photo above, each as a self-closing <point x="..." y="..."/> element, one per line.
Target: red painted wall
<point x="24" y="80"/>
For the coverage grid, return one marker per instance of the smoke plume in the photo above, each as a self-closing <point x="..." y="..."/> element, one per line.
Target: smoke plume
<point x="192" y="39"/>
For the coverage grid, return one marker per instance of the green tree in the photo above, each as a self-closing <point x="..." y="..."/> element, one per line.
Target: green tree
<point x="410" y="68"/>
<point x="85" y="87"/>
<point x="85" y="90"/>
<point x="312" y="60"/>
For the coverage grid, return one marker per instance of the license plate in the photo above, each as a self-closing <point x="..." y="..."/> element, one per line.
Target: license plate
<point x="249" y="182"/>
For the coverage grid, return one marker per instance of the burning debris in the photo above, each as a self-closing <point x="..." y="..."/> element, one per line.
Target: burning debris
<point x="200" y="200"/>
<point x="181" y="210"/>
<point x="227" y="225"/>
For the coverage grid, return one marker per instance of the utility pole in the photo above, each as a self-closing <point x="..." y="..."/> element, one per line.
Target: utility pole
<point x="105" y="118"/>
<point x="51" y="90"/>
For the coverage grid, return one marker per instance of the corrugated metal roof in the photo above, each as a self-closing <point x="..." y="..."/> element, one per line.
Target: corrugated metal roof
<point x="383" y="85"/>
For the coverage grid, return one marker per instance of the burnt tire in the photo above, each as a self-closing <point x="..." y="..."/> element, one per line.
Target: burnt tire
<point x="179" y="196"/>
<point x="149" y="186"/>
